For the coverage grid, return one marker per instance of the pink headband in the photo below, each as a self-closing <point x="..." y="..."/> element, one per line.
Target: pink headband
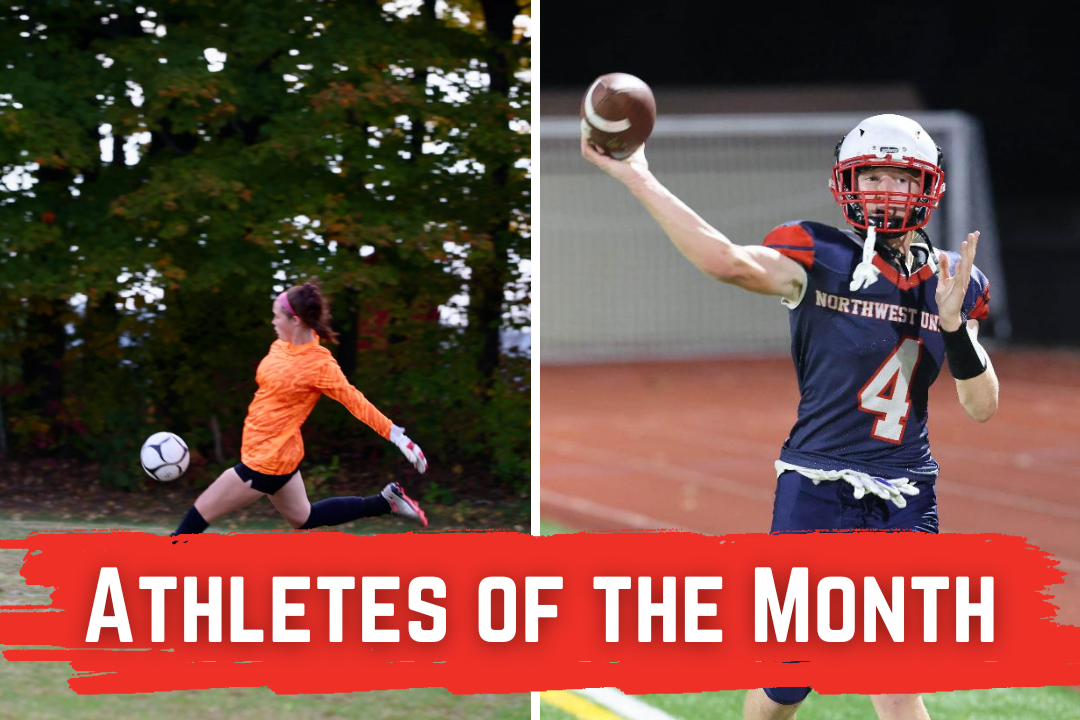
<point x="283" y="301"/>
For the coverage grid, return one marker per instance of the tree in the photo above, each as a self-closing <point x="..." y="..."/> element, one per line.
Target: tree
<point x="178" y="163"/>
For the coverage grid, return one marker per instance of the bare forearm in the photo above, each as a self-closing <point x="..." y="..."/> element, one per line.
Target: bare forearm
<point x="699" y="242"/>
<point x="976" y="388"/>
<point x="979" y="395"/>
<point x="752" y="267"/>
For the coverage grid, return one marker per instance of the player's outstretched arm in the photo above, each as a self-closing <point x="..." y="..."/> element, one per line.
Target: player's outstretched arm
<point x="333" y="383"/>
<point x="976" y="382"/>
<point x="755" y="268"/>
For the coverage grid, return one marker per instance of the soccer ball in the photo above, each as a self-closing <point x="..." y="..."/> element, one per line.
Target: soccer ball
<point x="164" y="456"/>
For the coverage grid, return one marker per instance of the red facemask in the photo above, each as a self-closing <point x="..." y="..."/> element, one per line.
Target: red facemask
<point x="894" y="211"/>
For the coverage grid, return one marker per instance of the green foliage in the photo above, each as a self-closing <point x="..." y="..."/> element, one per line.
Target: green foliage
<point x="177" y="193"/>
<point x="443" y="403"/>
<point x="317" y="478"/>
<point x="116" y="449"/>
<point x="435" y="494"/>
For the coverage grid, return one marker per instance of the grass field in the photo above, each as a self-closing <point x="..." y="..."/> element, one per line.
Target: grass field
<point x="549" y="528"/>
<point x="1052" y="703"/>
<point x="1000" y="704"/>
<point x="39" y="690"/>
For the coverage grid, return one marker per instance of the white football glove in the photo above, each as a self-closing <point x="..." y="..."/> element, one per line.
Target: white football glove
<point x="891" y="490"/>
<point x="888" y="490"/>
<point x="408" y="448"/>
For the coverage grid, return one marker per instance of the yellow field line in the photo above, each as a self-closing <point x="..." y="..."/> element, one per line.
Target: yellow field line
<point x="577" y="706"/>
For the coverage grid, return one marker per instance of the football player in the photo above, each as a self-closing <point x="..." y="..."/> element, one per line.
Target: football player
<point x="875" y="310"/>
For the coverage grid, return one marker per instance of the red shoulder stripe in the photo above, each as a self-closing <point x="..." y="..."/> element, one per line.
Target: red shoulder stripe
<point x="791" y="236"/>
<point x="794" y="242"/>
<point x="982" y="306"/>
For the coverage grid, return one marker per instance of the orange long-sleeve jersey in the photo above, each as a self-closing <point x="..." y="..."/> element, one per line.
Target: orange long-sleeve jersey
<point x="291" y="378"/>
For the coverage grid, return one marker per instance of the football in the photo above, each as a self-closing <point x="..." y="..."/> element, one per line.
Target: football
<point x="618" y="114"/>
<point x="164" y="456"/>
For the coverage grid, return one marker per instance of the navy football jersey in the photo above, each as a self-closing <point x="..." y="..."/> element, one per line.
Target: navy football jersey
<point x="866" y="359"/>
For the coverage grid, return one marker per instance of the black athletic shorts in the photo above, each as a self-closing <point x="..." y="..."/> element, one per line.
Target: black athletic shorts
<point x="262" y="482"/>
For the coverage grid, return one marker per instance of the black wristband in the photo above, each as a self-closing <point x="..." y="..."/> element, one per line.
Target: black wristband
<point x="964" y="360"/>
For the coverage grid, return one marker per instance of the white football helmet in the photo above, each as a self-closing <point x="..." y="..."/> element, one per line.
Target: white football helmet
<point x="889" y="141"/>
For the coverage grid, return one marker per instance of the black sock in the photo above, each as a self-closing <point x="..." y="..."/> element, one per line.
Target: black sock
<point x="338" y="510"/>
<point x="192" y="524"/>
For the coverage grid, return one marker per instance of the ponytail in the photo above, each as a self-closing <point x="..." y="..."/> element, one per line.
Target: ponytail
<point x="311" y="307"/>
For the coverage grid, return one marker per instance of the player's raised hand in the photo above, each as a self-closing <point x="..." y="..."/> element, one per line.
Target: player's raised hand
<point x="627" y="171"/>
<point x="952" y="287"/>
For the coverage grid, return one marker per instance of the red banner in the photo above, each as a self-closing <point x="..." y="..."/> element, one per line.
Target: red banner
<point x="496" y="612"/>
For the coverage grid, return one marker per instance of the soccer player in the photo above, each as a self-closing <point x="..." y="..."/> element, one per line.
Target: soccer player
<point x="875" y="310"/>
<point x="292" y="377"/>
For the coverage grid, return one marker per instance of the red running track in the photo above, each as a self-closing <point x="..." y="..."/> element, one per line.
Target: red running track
<point x="691" y="445"/>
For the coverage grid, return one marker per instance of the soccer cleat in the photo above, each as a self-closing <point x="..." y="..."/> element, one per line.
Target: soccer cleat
<point x="401" y="504"/>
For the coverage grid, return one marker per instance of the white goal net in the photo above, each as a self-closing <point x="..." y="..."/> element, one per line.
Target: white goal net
<point x="613" y="288"/>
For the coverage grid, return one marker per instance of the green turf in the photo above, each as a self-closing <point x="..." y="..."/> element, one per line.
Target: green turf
<point x="550" y="528"/>
<point x="999" y="704"/>
<point x="36" y="690"/>
<point x="1052" y="703"/>
<point x="550" y="712"/>
<point x="26" y="524"/>
<point x="39" y="690"/>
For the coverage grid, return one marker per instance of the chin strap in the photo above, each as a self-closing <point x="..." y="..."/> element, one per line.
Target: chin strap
<point x="866" y="274"/>
<point x="931" y="258"/>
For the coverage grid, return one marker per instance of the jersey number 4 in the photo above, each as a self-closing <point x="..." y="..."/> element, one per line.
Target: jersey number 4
<point x="887" y="394"/>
